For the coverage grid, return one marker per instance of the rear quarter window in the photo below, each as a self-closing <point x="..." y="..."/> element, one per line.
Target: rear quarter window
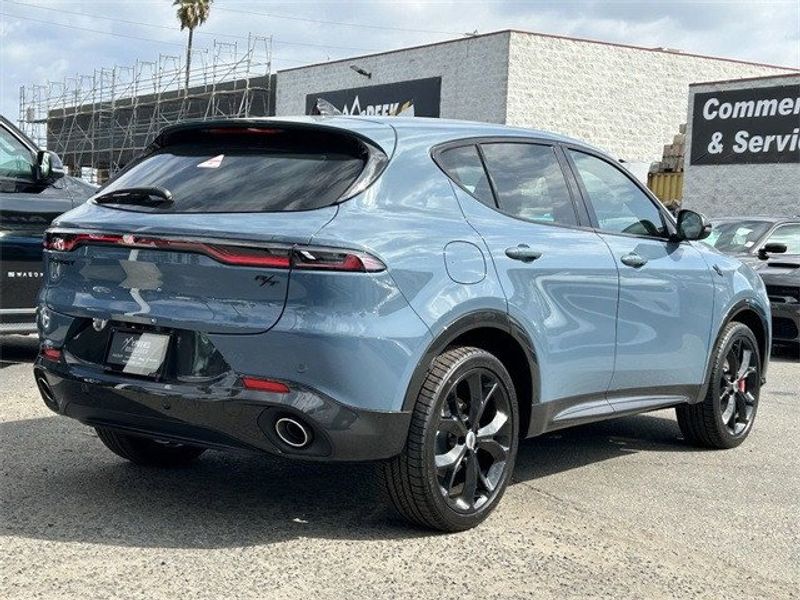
<point x="248" y="170"/>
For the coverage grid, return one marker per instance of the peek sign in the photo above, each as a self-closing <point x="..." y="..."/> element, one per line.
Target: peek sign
<point x="415" y="98"/>
<point x="758" y="125"/>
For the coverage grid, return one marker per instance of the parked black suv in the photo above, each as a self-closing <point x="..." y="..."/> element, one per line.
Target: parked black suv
<point x="771" y="245"/>
<point x="33" y="191"/>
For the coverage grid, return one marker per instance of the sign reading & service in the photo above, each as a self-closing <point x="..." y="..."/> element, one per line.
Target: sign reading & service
<point x="757" y="125"/>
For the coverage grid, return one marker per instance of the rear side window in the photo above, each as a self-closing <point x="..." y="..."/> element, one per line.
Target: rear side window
<point x="248" y="170"/>
<point x="464" y="166"/>
<point x="529" y="182"/>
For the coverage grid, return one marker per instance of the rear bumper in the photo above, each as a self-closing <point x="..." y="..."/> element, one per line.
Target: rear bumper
<point x="220" y="414"/>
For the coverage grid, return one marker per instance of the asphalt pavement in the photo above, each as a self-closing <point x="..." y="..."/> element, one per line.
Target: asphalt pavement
<point x="619" y="509"/>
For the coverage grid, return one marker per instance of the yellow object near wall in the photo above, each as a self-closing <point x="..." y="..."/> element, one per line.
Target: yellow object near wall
<point x="668" y="187"/>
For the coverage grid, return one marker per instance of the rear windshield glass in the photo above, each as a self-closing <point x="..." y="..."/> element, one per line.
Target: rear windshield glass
<point x="246" y="170"/>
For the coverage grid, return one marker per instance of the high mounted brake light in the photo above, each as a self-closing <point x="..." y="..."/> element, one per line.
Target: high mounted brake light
<point x="276" y="257"/>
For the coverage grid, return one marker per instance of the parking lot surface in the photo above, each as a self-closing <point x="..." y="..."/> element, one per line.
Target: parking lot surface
<point x="623" y="508"/>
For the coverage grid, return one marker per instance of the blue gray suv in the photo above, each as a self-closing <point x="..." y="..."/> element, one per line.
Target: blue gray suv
<point x="424" y="293"/>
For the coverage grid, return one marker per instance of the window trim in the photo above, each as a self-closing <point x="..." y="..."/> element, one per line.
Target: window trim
<point x="666" y="219"/>
<point x="436" y="153"/>
<point x="582" y="218"/>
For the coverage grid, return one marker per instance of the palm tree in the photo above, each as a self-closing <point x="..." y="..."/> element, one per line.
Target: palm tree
<point x="191" y="13"/>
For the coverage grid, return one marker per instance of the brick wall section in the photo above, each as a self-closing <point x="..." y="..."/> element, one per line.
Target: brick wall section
<point x="739" y="190"/>
<point x="473" y="72"/>
<point x="628" y="101"/>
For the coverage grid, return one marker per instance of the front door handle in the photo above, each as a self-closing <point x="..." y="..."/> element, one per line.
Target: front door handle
<point x="523" y="253"/>
<point x="634" y="260"/>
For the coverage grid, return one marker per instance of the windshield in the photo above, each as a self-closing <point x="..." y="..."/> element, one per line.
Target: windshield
<point x="246" y="170"/>
<point x="735" y="237"/>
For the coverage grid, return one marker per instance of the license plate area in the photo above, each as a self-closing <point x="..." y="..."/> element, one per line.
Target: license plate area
<point x="141" y="353"/>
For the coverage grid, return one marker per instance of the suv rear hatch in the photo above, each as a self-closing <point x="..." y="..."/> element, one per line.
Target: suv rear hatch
<point x="245" y="198"/>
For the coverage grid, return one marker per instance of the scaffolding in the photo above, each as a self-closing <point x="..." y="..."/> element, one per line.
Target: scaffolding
<point x="100" y="122"/>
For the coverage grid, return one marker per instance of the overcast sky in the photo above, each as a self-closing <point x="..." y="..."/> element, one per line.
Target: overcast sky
<point x="49" y="39"/>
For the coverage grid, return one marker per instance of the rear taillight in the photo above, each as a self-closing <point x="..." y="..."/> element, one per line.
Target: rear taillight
<point x="265" y="385"/>
<point x="335" y="260"/>
<point x="50" y="353"/>
<point x="274" y="257"/>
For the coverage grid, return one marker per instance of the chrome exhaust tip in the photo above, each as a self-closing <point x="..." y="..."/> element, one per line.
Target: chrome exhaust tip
<point x="292" y="432"/>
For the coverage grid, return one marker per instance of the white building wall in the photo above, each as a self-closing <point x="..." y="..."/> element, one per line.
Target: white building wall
<point x="734" y="190"/>
<point x="473" y="72"/>
<point x="628" y="101"/>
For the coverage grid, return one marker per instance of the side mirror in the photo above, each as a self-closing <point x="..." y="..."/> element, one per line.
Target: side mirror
<point x="773" y="248"/>
<point x="49" y="166"/>
<point x="692" y="225"/>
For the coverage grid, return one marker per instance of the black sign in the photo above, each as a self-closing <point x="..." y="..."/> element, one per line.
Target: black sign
<point x="758" y="125"/>
<point x="416" y="98"/>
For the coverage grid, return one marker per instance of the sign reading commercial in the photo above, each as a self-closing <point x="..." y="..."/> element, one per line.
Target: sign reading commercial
<point x="757" y="125"/>
<point x="414" y="98"/>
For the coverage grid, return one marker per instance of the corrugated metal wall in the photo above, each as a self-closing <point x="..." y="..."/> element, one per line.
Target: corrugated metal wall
<point x="667" y="186"/>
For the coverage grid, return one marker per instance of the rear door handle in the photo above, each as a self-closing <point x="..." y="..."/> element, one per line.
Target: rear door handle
<point x="634" y="260"/>
<point x="523" y="253"/>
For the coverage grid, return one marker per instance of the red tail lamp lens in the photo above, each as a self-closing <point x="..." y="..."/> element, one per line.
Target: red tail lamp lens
<point x="50" y="353"/>
<point x="265" y="385"/>
<point x="331" y="260"/>
<point x="277" y="257"/>
<point x="67" y="242"/>
<point x="249" y="257"/>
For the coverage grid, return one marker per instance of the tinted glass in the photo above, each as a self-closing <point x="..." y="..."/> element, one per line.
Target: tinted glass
<point x="735" y="237"/>
<point x="16" y="160"/>
<point x="620" y="206"/>
<point x="249" y="172"/>
<point x="789" y="235"/>
<point x="464" y="166"/>
<point x="530" y="183"/>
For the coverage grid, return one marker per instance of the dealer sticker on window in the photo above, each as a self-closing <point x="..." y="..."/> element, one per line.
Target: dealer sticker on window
<point x="212" y="163"/>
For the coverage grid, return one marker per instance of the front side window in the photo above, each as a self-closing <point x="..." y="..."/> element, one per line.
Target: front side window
<point x="529" y="182"/>
<point x="464" y="166"/>
<point x="789" y="235"/>
<point x="16" y="159"/>
<point x="620" y="206"/>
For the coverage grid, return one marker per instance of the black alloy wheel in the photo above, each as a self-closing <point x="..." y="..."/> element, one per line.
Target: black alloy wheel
<point x="473" y="440"/>
<point x="461" y="445"/>
<point x="738" y="380"/>
<point x="725" y="416"/>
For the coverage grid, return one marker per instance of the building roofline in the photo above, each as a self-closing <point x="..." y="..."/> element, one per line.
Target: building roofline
<point x="543" y="35"/>
<point x="395" y="51"/>
<point x="672" y="51"/>
<point x="759" y="78"/>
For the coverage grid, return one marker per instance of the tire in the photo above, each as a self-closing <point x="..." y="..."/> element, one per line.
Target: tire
<point x="710" y="423"/>
<point x="146" y="451"/>
<point x="460" y="492"/>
